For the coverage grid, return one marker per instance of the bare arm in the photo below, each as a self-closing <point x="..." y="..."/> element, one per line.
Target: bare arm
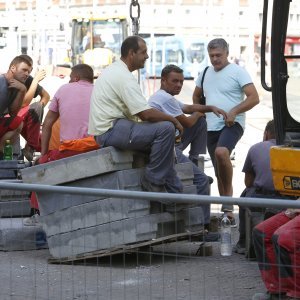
<point x="40" y="75"/>
<point x="249" y="179"/>
<point x="17" y="103"/>
<point x="197" y="95"/>
<point x="189" y="121"/>
<point x="251" y="100"/>
<point x="154" y="115"/>
<point x="50" y="119"/>
<point x="188" y="109"/>
<point x="45" y="97"/>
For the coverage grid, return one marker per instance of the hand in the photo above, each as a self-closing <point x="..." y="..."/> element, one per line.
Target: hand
<point x="16" y="84"/>
<point x="36" y="111"/>
<point x="218" y="111"/>
<point x="179" y="127"/>
<point x="40" y="75"/>
<point x="230" y="120"/>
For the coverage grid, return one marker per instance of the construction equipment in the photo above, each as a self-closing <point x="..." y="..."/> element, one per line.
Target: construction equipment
<point x="96" y="40"/>
<point x="285" y="82"/>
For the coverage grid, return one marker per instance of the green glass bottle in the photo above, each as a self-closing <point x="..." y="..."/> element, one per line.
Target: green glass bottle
<point x="8" y="151"/>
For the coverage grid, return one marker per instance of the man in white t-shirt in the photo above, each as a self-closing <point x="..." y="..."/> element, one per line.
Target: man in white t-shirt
<point x="121" y="117"/>
<point x="194" y="123"/>
<point x="229" y="87"/>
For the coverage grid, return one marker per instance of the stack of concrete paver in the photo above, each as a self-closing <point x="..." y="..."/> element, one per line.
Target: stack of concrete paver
<point x="77" y="224"/>
<point x="14" y="206"/>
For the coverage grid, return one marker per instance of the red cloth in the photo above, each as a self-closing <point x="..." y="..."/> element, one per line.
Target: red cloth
<point x="277" y="247"/>
<point x="14" y="124"/>
<point x="31" y="131"/>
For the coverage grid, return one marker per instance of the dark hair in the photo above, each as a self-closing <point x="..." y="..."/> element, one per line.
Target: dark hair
<point x="218" y="43"/>
<point x="270" y="128"/>
<point x="132" y="42"/>
<point x="23" y="58"/>
<point x="84" y="71"/>
<point x="170" y="68"/>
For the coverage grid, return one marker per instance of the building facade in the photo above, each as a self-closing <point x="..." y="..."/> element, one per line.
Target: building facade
<point x="42" y="27"/>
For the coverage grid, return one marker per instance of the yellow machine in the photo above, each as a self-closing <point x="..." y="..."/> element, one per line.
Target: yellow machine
<point x="96" y="40"/>
<point x="285" y="88"/>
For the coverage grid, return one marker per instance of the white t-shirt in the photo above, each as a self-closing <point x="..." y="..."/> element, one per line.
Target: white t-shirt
<point x="224" y="90"/>
<point x="116" y="95"/>
<point x="166" y="103"/>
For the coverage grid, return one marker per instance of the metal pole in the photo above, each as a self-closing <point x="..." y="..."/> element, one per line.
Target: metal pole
<point x="161" y="197"/>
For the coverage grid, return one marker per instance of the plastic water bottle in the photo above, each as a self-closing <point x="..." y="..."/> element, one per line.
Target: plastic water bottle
<point x="226" y="246"/>
<point x="8" y="151"/>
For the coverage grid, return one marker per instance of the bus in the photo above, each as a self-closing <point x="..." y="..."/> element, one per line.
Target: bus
<point x="97" y="41"/>
<point x="188" y="53"/>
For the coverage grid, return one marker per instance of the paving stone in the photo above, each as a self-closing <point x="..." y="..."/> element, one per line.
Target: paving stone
<point x="15" y="236"/>
<point x="94" y="213"/>
<point x="105" y="236"/>
<point x="15" y="208"/>
<point x="79" y="166"/>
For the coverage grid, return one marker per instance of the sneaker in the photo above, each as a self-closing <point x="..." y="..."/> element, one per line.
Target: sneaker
<point x="239" y="248"/>
<point x="32" y="221"/>
<point x="231" y="218"/>
<point x="151" y="187"/>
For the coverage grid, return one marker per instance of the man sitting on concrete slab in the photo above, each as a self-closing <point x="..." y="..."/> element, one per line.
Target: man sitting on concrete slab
<point x="12" y="92"/>
<point x="195" y="128"/>
<point x="70" y="105"/>
<point x="121" y="117"/>
<point x="32" y="111"/>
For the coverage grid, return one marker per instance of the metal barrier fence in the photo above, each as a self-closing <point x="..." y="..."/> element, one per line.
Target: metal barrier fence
<point x="171" y="268"/>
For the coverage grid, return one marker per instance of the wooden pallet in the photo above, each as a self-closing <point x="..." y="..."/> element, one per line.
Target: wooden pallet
<point x="128" y="248"/>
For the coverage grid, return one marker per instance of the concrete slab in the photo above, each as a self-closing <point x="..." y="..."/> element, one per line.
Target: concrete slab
<point x="15" y="236"/>
<point x="14" y="203"/>
<point x="79" y="166"/>
<point x="94" y="213"/>
<point x="105" y="236"/>
<point x="15" y="208"/>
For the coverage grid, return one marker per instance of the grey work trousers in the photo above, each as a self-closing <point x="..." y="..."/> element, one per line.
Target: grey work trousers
<point x="196" y="137"/>
<point x="156" y="139"/>
<point x="201" y="182"/>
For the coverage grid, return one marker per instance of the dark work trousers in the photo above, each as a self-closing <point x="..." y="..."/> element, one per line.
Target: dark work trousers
<point x="277" y="247"/>
<point x="157" y="139"/>
<point x="196" y="137"/>
<point x="201" y="182"/>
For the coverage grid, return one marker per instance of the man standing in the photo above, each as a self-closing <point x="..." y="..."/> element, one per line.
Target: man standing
<point x="121" y="117"/>
<point x="195" y="129"/>
<point x="12" y="92"/>
<point x="229" y="87"/>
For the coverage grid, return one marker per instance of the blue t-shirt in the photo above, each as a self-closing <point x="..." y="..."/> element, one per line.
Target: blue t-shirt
<point x="224" y="89"/>
<point x="166" y="103"/>
<point x="258" y="163"/>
